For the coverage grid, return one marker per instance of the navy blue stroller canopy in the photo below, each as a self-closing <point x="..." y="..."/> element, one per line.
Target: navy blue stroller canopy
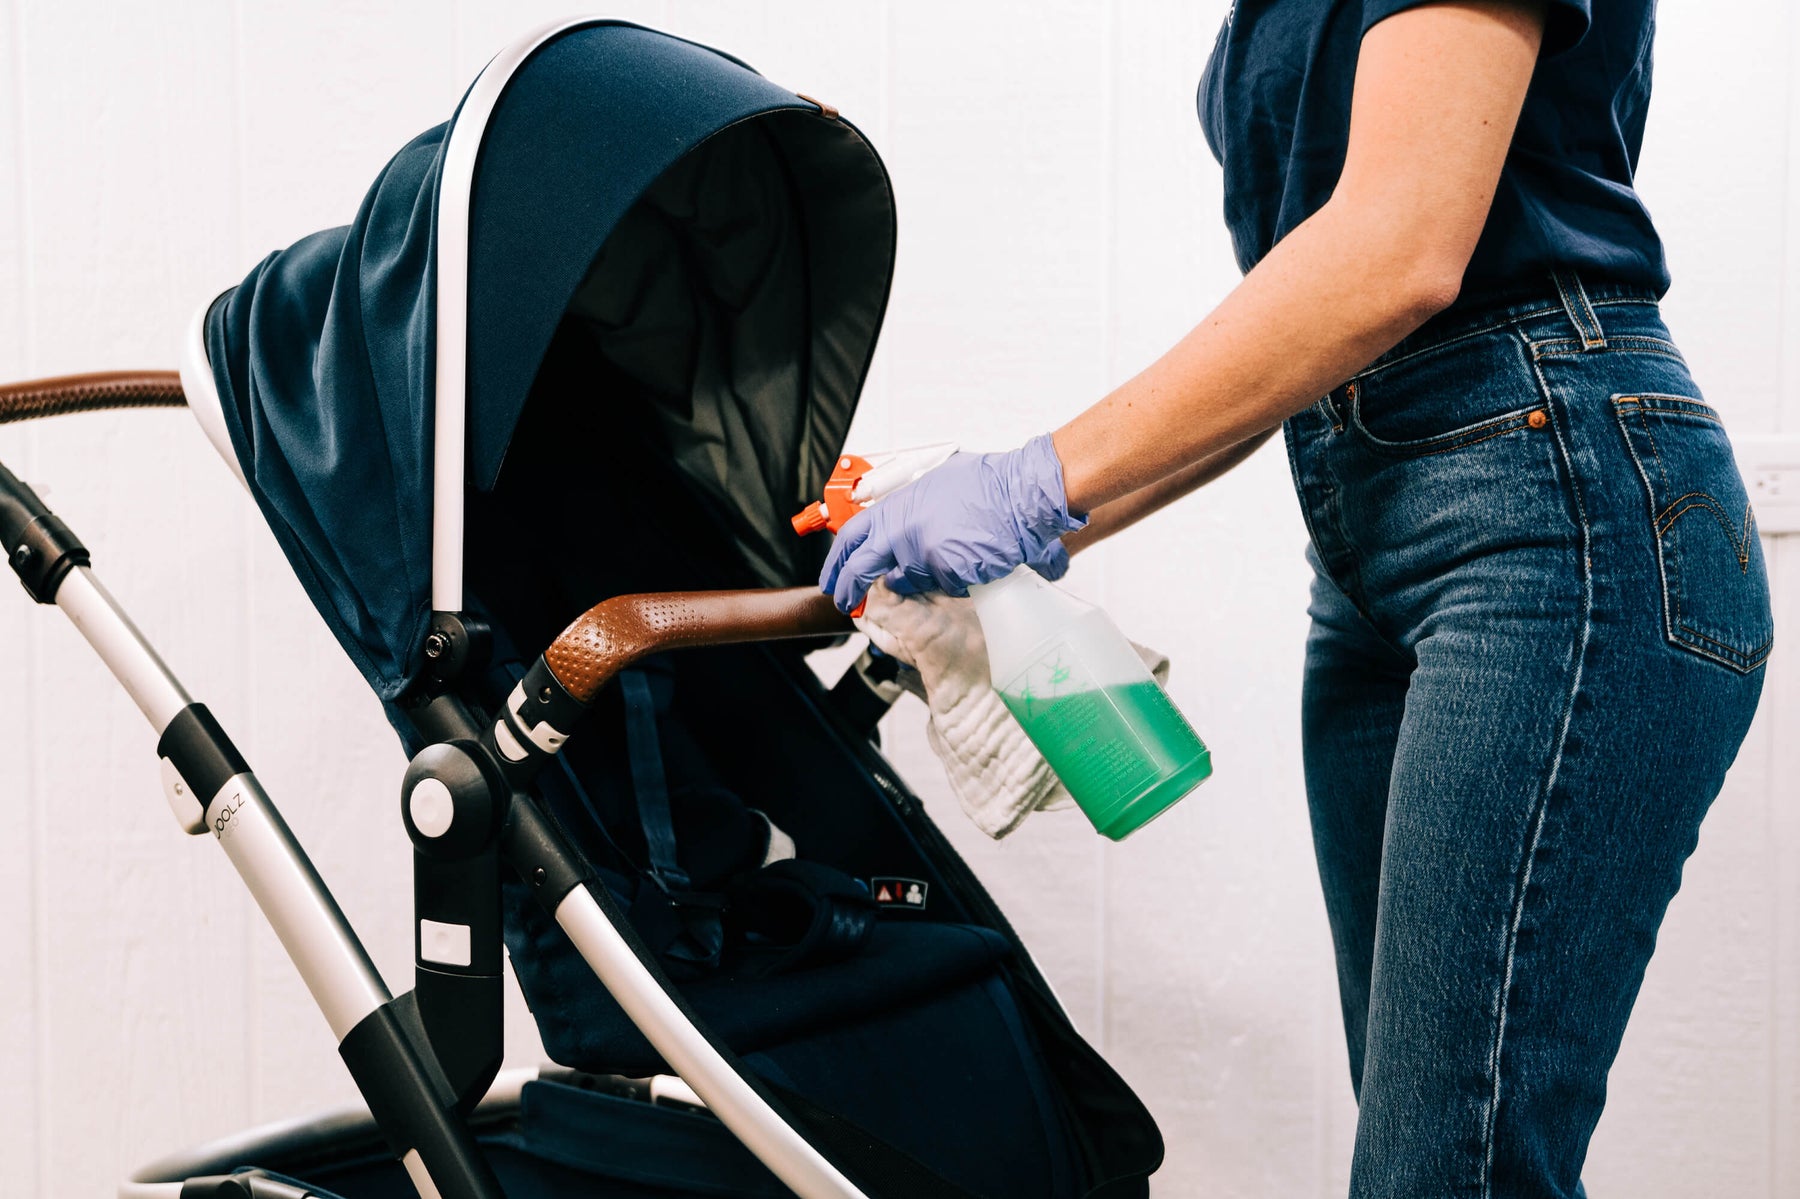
<point x="727" y="244"/>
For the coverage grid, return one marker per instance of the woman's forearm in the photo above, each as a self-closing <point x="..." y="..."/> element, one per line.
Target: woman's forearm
<point x="1307" y="318"/>
<point x="1127" y="510"/>
<point x="1438" y="93"/>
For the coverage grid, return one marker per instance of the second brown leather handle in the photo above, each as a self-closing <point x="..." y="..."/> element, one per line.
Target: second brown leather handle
<point x="87" y="393"/>
<point x="613" y="634"/>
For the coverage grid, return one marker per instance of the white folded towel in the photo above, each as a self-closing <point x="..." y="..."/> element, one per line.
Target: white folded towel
<point x="995" y="770"/>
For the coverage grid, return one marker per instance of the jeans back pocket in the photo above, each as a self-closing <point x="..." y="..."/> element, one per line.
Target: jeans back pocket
<point x="1715" y="589"/>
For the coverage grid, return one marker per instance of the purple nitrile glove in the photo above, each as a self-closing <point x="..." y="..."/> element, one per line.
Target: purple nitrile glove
<point x="1053" y="563"/>
<point x="972" y="520"/>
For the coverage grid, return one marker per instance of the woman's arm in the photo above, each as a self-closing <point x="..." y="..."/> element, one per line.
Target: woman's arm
<point x="1127" y="510"/>
<point x="1438" y="93"/>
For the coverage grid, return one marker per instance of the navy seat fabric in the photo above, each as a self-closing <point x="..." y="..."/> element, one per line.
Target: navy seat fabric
<point x="903" y="964"/>
<point x="975" y="1104"/>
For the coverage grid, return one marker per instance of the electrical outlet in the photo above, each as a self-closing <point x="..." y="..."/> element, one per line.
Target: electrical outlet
<point x="1771" y="466"/>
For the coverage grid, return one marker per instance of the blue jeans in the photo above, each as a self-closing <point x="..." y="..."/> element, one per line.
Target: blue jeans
<point x="1539" y="619"/>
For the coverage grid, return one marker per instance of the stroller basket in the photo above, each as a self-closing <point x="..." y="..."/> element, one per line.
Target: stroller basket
<point x="528" y="430"/>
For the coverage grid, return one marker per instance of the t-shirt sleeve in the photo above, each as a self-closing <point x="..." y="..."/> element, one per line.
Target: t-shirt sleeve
<point x="1565" y="24"/>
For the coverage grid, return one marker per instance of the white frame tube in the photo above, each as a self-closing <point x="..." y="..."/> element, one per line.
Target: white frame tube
<point x="155" y="690"/>
<point x="449" y="431"/>
<point x="311" y="927"/>
<point x="787" y="1154"/>
<point x="305" y="917"/>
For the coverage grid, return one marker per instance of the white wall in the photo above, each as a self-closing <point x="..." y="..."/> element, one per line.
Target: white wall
<point x="1059" y="225"/>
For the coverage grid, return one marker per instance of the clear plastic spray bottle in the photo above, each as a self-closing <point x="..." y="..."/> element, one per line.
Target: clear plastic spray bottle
<point x="1088" y="702"/>
<point x="1062" y="668"/>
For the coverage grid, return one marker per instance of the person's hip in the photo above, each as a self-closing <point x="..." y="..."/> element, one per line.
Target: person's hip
<point x="1553" y="458"/>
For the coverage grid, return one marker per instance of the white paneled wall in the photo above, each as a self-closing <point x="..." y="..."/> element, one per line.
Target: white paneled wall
<point x="1059" y="226"/>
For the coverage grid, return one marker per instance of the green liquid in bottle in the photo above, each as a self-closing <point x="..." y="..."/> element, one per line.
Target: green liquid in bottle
<point x="1125" y="753"/>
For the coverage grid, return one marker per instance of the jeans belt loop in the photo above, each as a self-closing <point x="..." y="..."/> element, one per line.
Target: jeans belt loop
<point x="1580" y="309"/>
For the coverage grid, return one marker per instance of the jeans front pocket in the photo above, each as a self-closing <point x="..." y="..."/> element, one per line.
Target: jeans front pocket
<point x="1715" y="589"/>
<point x="1448" y="398"/>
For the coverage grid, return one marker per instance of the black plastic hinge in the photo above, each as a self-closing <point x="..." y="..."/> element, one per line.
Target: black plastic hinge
<point x="46" y="553"/>
<point x="456" y="644"/>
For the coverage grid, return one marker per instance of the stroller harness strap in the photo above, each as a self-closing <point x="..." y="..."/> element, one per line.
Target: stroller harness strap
<point x="789" y="914"/>
<point x="684" y="928"/>
<point x="647" y="779"/>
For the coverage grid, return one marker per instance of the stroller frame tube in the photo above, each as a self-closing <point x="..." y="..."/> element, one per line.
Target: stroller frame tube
<point x="244" y="821"/>
<point x="787" y="1154"/>
<point x="158" y="694"/>
<point x="425" y="1132"/>
<point x="449" y="422"/>
<point x="292" y="897"/>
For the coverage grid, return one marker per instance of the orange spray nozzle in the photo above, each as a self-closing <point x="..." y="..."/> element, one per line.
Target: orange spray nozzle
<point x="856" y="483"/>
<point x="835" y="510"/>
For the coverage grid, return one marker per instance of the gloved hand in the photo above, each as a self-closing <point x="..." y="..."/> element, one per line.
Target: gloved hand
<point x="972" y="520"/>
<point x="1052" y="564"/>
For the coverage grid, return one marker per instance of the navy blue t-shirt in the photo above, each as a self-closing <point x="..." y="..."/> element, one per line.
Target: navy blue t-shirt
<point x="1275" y="104"/>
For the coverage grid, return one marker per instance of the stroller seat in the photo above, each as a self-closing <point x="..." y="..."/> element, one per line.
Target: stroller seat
<point x="902" y="965"/>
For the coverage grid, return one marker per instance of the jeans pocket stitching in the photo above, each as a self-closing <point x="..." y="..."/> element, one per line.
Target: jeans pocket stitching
<point x="1740" y="540"/>
<point x="1676" y="629"/>
<point x="1442" y="443"/>
<point x="1754" y="656"/>
<point x="1636" y="343"/>
<point x="1668" y="402"/>
<point x="1569" y="347"/>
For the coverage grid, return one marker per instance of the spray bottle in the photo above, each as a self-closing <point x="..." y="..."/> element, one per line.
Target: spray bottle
<point x="1062" y="668"/>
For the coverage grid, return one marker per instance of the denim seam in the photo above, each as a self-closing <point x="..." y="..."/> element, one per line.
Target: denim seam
<point x="1329" y="411"/>
<point x="1685" y="405"/>
<point x="1334" y="487"/>
<point x="1489" y="1132"/>
<point x="1293" y="448"/>
<point x="1740" y="539"/>
<point x="1587" y="307"/>
<point x="1633" y="344"/>
<point x="1497" y="426"/>
<point x="1741" y="660"/>
<point x="1354" y="592"/>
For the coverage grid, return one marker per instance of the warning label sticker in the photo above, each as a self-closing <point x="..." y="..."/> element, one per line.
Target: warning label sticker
<point x="899" y="892"/>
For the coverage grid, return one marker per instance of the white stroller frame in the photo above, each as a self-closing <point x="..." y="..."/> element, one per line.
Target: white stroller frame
<point x="209" y="786"/>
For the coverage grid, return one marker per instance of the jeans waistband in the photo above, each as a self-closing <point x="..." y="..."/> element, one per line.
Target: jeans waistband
<point x="1577" y="299"/>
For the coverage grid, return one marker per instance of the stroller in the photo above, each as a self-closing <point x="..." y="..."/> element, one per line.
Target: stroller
<point x="530" y="431"/>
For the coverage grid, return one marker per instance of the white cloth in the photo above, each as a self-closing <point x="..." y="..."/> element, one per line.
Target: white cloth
<point x="997" y="773"/>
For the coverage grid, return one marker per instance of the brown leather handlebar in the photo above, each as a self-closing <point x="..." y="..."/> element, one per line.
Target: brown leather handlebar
<point x="613" y="634"/>
<point x="90" y="393"/>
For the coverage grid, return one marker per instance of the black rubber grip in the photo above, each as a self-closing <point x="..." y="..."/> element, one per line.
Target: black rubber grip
<point x="412" y="1102"/>
<point x="40" y="548"/>
<point x="201" y="752"/>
